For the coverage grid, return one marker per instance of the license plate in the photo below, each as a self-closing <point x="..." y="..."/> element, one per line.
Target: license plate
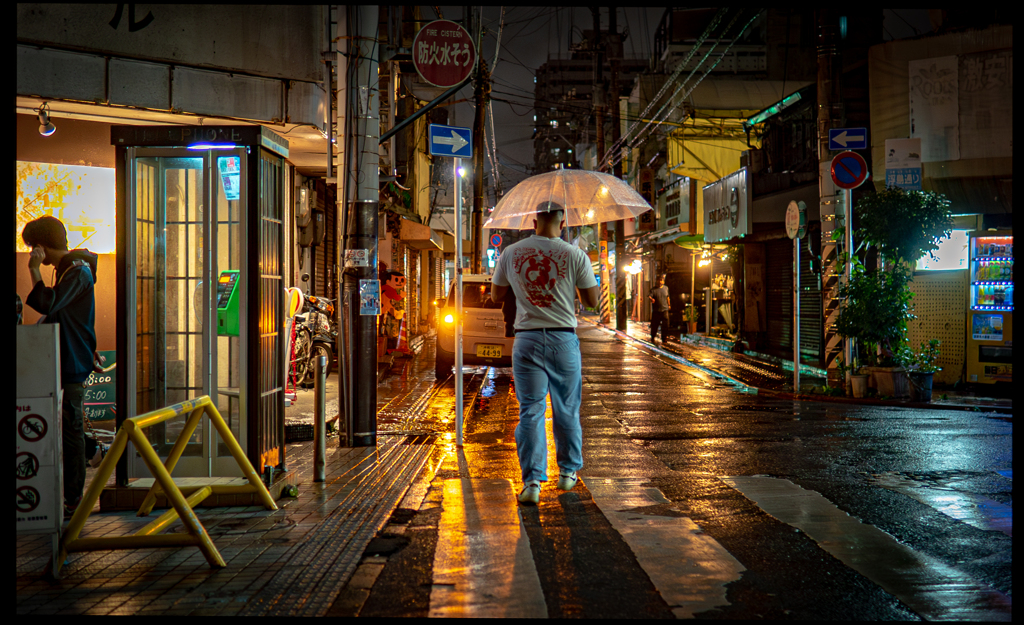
<point x="488" y="351"/>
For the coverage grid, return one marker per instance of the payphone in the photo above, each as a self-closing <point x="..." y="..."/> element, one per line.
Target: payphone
<point x="227" y="303"/>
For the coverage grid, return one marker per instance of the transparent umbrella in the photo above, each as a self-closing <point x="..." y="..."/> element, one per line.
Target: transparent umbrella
<point x="588" y="197"/>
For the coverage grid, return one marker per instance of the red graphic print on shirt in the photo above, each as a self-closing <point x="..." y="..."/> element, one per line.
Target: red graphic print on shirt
<point x="538" y="273"/>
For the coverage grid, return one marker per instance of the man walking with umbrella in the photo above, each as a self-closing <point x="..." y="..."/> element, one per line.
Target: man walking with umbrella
<point x="544" y="273"/>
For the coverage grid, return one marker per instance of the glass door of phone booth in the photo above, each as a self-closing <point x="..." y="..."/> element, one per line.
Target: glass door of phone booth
<point x="185" y="233"/>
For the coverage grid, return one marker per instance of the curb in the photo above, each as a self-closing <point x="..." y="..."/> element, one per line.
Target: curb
<point x="753" y="390"/>
<point x="867" y="401"/>
<point x="741" y="386"/>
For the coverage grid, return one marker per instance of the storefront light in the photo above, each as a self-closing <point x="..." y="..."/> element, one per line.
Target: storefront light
<point x="212" y="146"/>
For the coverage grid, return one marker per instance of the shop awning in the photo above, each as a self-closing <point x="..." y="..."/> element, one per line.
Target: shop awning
<point x="661" y="236"/>
<point x="690" y="241"/>
<point x="420" y="236"/>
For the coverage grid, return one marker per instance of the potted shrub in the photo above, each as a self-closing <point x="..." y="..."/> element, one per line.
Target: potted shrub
<point x="875" y="312"/>
<point x="690" y="317"/>
<point x="857" y="380"/>
<point x="904" y="226"/>
<point x="922" y="369"/>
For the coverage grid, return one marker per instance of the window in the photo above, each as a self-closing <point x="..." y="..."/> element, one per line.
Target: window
<point x="474" y="295"/>
<point x="672" y="205"/>
<point x="952" y="253"/>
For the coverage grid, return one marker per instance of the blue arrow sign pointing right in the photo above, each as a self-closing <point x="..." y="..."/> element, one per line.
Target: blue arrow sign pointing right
<point x="452" y="141"/>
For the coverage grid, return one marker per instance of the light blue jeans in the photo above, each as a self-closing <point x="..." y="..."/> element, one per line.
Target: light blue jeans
<point x="544" y="361"/>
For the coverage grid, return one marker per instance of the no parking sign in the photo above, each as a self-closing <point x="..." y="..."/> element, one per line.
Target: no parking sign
<point x="849" y="170"/>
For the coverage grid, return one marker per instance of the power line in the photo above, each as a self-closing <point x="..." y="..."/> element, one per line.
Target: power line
<point x="679" y="69"/>
<point x="704" y="75"/>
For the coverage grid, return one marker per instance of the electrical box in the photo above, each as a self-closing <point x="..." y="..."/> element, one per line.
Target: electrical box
<point x="227" y="303"/>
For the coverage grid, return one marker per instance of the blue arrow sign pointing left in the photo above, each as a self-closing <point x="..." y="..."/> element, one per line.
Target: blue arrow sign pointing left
<point x="453" y="141"/>
<point x="848" y="139"/>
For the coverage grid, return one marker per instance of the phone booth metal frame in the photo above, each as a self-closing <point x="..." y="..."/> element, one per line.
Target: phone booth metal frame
<point x="192" y="203"/>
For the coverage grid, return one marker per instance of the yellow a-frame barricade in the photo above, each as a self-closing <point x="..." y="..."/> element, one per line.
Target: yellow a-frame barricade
<point x="132" y="429"/>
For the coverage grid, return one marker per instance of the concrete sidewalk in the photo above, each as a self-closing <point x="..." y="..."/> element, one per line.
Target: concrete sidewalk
<point x="290" y="562"/>
<point x="766" y="375"/>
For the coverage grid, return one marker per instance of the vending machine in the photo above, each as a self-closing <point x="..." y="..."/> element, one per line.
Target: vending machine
<point x="990" y="313"/>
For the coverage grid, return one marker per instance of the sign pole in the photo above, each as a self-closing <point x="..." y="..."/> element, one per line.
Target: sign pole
<point x="796" y="227"/>
<point x="458" y="303"/>
<point x="796" y="315"/>
<point x="849" y="170"/>
<point x="457" y="143"/>
<point x="848" y="269"/>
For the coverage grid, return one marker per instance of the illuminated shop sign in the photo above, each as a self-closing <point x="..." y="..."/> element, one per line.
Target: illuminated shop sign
<point x="83" y="198"/>
<point x="726" y="207"/>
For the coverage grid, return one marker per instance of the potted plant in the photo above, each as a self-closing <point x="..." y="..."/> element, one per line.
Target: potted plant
<point x="922" y="369"/>
<point x="875" y="312"/>
<point x="903" y="226"/>
<point x="690" y="317"/>
<point x="857" y="380"/>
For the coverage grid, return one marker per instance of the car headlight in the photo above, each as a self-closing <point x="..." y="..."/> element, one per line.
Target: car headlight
<point x="449" y="318"/>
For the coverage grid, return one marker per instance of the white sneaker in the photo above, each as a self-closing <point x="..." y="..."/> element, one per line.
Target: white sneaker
<point x="530" y="493"/>
<point x="567" y="482"/>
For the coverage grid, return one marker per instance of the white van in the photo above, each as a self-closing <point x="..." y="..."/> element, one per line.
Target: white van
<point x="483" y="328"/>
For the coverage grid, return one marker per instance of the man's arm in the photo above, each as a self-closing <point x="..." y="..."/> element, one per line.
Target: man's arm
<point x="590" y="295"/>
<point x="498" y="292"/>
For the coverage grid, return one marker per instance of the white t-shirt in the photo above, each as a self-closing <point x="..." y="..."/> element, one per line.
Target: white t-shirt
<point x="544" y="274"/>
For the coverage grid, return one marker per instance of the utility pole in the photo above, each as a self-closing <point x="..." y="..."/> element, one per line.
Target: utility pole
<point x="362" y="163"/>
<point x="598" y="100"/>
<point x="480" y="93"/>
<point x="620" y="225"/>
<point x="830" y="115"/>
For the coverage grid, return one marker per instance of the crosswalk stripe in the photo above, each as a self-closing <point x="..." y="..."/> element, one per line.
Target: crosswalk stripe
<point x="689" y="568"/>
<point x="931" y="588"/>
<point x="483" y="566"/>
<point x="980" y="512"/>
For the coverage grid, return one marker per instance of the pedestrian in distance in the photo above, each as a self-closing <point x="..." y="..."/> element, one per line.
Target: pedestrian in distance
<point x="544" y="273"/>
<point x="69" y="301"/>
<point x="661" y="305"/>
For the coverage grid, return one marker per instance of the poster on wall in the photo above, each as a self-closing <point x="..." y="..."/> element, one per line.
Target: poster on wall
<point x="987" y="327"/>
<point x="230" y="176"/>
<point x="934" y="110"/>
<point x="903" y="163"/>
<point x="369" y="297"/>
<point x="986" y="104"/>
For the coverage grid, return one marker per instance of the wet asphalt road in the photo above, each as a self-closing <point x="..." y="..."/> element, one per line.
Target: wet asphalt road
<point x="928" y="494"/>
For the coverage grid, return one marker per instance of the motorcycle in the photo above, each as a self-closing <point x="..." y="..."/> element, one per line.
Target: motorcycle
<point x="316" y="334"/>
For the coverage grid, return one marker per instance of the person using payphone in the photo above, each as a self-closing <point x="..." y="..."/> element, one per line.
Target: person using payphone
<point x="71" y="303"/>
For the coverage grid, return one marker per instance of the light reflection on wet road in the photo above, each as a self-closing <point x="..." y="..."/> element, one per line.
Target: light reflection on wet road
<point x="680" y="432"/>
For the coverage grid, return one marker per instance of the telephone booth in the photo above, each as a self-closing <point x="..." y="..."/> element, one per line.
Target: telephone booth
<point x="200" y="289"/>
